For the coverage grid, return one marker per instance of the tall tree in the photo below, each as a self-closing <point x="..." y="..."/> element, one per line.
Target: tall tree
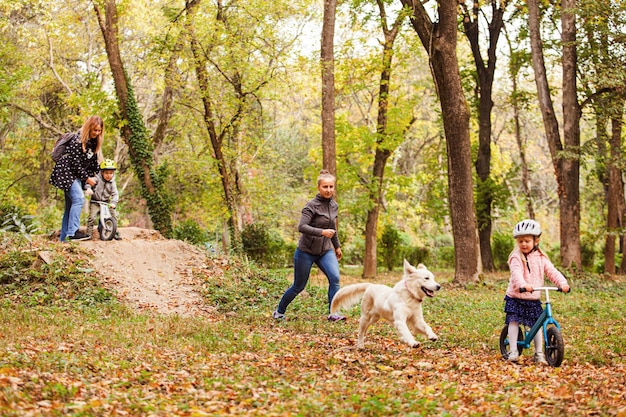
<point x="231" y="191"/>
<point x="439" y="39"/>
<point x="134" y="131"/>
<point x="601" y="68"/>
<point x="485" y="73"/>
<point x="565" y="154"/>
<point x="517" y="60"/>
<point x="235" y="63"/>
<point x="328" y="86"/>
<point x="615" y="191"/>
<point x="386" y="143"/>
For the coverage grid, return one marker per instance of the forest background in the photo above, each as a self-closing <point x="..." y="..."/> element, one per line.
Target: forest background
<point x="212" y="113"/>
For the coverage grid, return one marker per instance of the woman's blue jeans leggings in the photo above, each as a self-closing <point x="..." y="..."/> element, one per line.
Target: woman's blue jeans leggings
<point x="302" y="263"/>
<point x="74" y="200"/>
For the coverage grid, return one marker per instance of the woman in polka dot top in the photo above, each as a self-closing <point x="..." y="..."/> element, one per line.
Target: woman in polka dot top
<point x="75" y="169"/>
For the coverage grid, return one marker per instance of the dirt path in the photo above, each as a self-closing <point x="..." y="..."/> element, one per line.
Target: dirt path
<point x="150" y="272"/>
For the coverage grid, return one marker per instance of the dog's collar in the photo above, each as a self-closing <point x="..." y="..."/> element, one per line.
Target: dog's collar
<point x="410" y="293"/>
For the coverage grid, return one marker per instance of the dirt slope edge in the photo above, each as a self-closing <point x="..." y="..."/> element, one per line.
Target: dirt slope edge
<point x="150" y="272"/>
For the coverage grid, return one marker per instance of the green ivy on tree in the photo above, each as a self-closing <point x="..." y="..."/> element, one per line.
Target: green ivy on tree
<point x="159" y="202"/>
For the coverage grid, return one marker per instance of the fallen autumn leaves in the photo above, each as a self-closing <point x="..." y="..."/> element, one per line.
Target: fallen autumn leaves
<point x="102" y="358"/>
<point x="289" y="373"/>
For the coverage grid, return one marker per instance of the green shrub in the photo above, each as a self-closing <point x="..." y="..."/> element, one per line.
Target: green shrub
<point x="265" y="246"/>
<point x="390" y="246"/>
<point x="443" y="257"/>
<point x="353" y="251"/>
<point x="501" y="246"/>
<point x="587" y="254"/>
<point x="190" y="231"/>
<point x="13" y="219"/>
<point x="417" y="255"/>
<point x="443" y="240"/>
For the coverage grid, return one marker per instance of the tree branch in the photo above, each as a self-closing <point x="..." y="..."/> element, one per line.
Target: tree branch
<point x="51" y="65"/>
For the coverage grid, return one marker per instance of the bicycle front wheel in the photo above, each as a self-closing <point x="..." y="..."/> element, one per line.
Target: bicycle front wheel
<point x="504" y="341"/>
<point x="107" y="232"/>
<point x="554" y="347"/>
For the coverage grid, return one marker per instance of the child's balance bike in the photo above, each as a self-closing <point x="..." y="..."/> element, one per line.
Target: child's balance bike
<point x="554" y="347"/>
<point x="107" y="225"/>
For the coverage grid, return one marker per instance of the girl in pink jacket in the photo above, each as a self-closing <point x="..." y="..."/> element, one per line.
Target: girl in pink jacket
<point x="528" y="265"/>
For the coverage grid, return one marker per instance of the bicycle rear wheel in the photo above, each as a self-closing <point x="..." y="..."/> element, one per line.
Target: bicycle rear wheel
<point x="554" y="347"/>
<point x="504" y="341"/>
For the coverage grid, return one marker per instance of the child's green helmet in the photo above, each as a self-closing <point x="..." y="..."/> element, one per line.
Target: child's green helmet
<point x="108" y="164"/>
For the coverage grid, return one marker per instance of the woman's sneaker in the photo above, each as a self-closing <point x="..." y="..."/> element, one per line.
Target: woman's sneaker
<point x="513" y="356"/>
<point x="336" y="317"/>
<point x="278" y="316"/>
<point x="79" y="236"/>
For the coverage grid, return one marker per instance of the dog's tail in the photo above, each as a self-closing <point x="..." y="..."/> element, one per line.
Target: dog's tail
<point x="348" y="296"/>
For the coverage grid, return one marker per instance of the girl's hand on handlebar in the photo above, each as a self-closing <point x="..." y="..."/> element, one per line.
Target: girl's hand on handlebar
<point x="565" y="288"/>
<point x="526" y="288"/>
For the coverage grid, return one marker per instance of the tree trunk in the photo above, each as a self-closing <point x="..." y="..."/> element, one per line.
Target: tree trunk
<point x="383" y="146"/>
<point x="164" y="113"/>
<point x="134" y="131"/>
<point x="439" y="40"/>
<point x="526" y="188"/>
<point x="570" y="201"/>
<point x="615" y="195"/>
<point x="565" y="160"/>
<point x="486" y="72"/>
<point x="328" y="87"/>
<point x="613" y="216"/>
<point x="230" y="194"/>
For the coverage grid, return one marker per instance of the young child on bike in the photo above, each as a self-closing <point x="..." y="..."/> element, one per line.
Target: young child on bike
<point x="528" y="265"/>
<point x="105" y="190"/>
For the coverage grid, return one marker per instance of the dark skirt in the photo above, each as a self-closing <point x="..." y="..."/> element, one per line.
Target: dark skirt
<point x="521" y="311"/>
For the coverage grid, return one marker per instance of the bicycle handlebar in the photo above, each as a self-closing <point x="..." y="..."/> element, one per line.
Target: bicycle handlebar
<point x="522" y="289"/>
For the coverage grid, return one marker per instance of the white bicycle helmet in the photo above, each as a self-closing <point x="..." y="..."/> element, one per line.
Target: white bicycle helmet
<point x="527" y="227"/>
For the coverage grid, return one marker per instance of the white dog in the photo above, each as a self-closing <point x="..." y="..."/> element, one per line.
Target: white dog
<point x="400" y="305"/>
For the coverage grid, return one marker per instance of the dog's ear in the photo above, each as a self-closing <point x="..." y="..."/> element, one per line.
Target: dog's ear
<point x="421" y="266"/>
<point x="408" y="267"/>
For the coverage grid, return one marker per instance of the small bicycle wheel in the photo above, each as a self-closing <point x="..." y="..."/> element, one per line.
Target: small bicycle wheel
<point x="554" y="347"/>
<point x="107" y="232"/>
<point x="504" y="341"/>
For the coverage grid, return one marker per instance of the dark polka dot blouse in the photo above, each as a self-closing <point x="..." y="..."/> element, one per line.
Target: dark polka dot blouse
<point x="75" y="164"/>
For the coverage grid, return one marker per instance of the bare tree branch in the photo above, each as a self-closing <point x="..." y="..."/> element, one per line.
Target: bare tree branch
<point x="50" y="63"/>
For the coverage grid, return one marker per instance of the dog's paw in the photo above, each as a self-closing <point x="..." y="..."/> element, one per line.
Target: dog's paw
<point x="433" y="337"/>
<point x="415" y="344"/>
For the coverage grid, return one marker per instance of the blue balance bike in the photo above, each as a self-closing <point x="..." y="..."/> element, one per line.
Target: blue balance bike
<point x="554" y="347"/>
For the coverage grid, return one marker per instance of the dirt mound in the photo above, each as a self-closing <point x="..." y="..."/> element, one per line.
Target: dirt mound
<point x="150" y="272"/>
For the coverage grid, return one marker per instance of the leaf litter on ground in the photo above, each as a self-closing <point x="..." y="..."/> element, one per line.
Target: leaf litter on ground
<point x="108" y="359"/>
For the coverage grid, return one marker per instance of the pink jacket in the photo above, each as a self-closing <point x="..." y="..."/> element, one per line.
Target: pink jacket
<point x="540" y="265"/>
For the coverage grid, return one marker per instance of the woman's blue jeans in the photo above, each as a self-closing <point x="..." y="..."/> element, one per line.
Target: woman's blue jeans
<point x="74" y="200"/>
<point x="302" y="263"/>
